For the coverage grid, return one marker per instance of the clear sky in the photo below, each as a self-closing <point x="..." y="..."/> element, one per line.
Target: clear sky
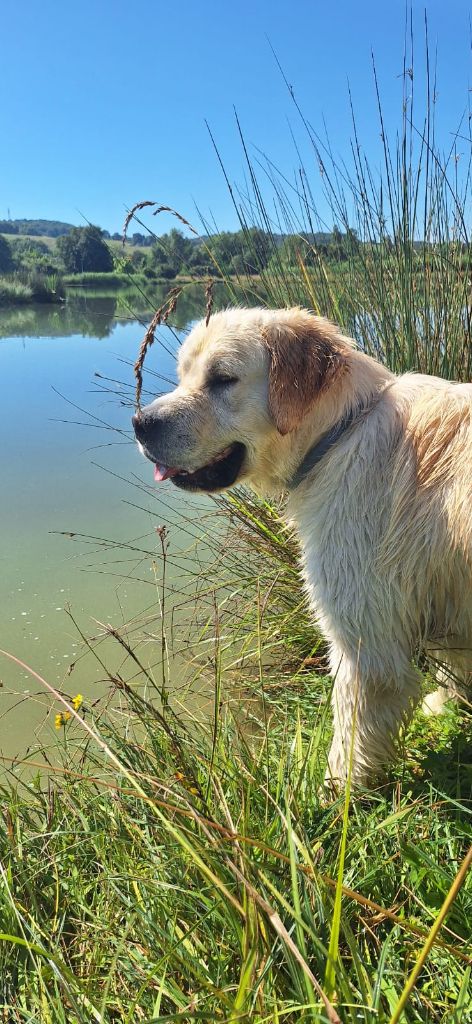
<point x="103" y="102"/>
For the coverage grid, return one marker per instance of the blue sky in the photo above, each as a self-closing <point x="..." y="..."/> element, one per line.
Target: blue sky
<point x="103" y="102"/>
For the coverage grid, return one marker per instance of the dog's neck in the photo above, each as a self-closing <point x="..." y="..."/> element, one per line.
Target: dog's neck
<point x="367" y="382"/>
<point x="333" y="414"/>
<point x="323" y="446"/>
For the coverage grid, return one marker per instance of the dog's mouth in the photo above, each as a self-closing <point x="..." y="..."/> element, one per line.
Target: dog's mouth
<point x="221" y="472"/>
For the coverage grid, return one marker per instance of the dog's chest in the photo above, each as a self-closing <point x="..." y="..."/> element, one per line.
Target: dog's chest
<point x="340" y="522"/>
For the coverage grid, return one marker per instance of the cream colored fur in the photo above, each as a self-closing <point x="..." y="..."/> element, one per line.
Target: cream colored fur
<point x="384" y="521"/>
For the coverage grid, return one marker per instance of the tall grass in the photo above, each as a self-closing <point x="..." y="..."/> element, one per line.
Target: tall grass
<point x="109" y="280"/>
<point x="403" y="286"/>
<point x="172" y="874"/>
<point x="13" y="292"/>
<point x="19" y="289"/>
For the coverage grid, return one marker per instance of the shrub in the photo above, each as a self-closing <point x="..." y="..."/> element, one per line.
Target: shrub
<point x="6" y="260"/>
<point x="149" y="273"/>
<point x="83" y="250"/>
<point x="14" y="291"/>
<point x="46" y="287"/>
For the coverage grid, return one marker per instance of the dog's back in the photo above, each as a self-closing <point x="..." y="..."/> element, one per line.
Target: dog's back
<point x="429" y="535"/>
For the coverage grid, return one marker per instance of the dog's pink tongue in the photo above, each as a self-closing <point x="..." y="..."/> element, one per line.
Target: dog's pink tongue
<point x="163" y="472"/>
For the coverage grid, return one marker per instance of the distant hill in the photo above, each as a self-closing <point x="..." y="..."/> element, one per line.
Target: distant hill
<point x="56" y="228"/>
<point x="50" y="228"/>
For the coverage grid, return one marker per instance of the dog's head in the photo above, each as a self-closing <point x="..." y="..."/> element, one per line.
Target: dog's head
<point x="247" y="383"/>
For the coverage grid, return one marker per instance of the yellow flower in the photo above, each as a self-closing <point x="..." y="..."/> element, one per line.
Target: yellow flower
<point x="77" y="701"/>
<point x="61" y="719"/>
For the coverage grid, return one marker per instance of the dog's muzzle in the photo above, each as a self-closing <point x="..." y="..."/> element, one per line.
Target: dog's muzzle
<point x="219" y="473"/>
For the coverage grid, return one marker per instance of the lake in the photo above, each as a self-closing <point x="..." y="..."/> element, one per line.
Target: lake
<point x="79" y="508"/>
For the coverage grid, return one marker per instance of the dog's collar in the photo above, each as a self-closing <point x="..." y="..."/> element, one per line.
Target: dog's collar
<point x="315" y="454"/>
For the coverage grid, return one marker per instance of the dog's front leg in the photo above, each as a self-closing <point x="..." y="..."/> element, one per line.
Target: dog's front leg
<point x="370" y="700"/>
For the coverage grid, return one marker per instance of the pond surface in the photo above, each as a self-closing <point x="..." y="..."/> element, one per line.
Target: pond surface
<point x="72" y="479"/>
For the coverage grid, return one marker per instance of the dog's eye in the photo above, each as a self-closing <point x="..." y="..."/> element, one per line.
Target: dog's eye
<point x="221" y="380"/>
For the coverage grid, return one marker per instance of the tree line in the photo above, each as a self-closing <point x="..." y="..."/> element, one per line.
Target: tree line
<point x="248" y="251"/>
<point x="50" y="228"/>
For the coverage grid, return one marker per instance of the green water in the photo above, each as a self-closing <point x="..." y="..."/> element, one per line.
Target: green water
<point x="74" y="469"/>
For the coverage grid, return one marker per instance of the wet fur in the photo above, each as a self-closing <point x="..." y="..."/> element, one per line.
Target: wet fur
<point x="384" y="521"/>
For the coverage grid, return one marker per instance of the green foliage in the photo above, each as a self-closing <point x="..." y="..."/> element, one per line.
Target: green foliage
<point x="238" y="254"/>
<point x="6" y="259"/>
<point x="395" y="271"/>
<point x="52" y="228"/>
<point x="24" y="248"/>
<point x="84" y="250"/>
<point x="34" y="256"/>
<point x="108" y="280"/>
<point x="19" y="289"/>
<point x="137" y="238"/>
<point x="179" y="883"/>
<point x="248" y="252"/>
<point x="46" y="287"/>
<point x="150" y="273"/>
<point x="14" y="292"/>
<point x="8" y="227"/>
<point x="171" y="254"/>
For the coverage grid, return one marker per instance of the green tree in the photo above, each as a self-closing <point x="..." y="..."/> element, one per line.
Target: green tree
<point x="352" y="241"/>
<point x="245" y="251"/>
<point x="138" y="260"/>
<point x="6" y="262"/>
<point x="179" y="249"/>
<point x="28" y="254"/>
<point x="171" y="254"/>
<point x="257" y="250"/>
<point x="200" y="263"/>
<point x="84" y="250"/>
<point x="237" y="264"/>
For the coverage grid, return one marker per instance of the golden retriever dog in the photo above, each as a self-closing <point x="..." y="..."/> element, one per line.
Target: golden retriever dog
<point x="378" y="473"/>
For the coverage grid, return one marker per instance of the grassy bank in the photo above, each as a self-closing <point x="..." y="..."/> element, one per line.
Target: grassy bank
<point x="21" y="289"/>
<point x="111" y="280"/>
<point x="123" y="280"/>
<point x="200" y="877"/>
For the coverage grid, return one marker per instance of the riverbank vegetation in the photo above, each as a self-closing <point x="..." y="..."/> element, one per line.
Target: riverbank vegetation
<point x="86" y="257"/>
<point x="200" y="876"/>
<point x="179" y="867"/>
<point x="22" y="289"/>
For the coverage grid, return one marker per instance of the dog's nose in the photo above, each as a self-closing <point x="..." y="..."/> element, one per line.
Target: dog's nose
<point x="148" y="425"/>
<point x="138" y="425"/>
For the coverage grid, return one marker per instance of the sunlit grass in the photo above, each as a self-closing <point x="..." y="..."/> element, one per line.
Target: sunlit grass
<point x="23" y="288"/>
<point x="169" y="875"/>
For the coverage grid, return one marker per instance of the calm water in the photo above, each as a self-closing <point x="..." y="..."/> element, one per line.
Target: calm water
<point x="77" y="470"/>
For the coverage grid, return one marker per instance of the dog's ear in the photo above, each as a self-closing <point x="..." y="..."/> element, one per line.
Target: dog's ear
<point x="305" y="357"/>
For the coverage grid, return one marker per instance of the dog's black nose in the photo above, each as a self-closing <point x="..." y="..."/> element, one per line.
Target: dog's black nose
<point x="138" y="425"/>
<point x="148" y="426"/>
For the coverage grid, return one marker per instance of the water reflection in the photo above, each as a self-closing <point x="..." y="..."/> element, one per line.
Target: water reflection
<point x="94" y="314"/>
<point x="75" y="493"/>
